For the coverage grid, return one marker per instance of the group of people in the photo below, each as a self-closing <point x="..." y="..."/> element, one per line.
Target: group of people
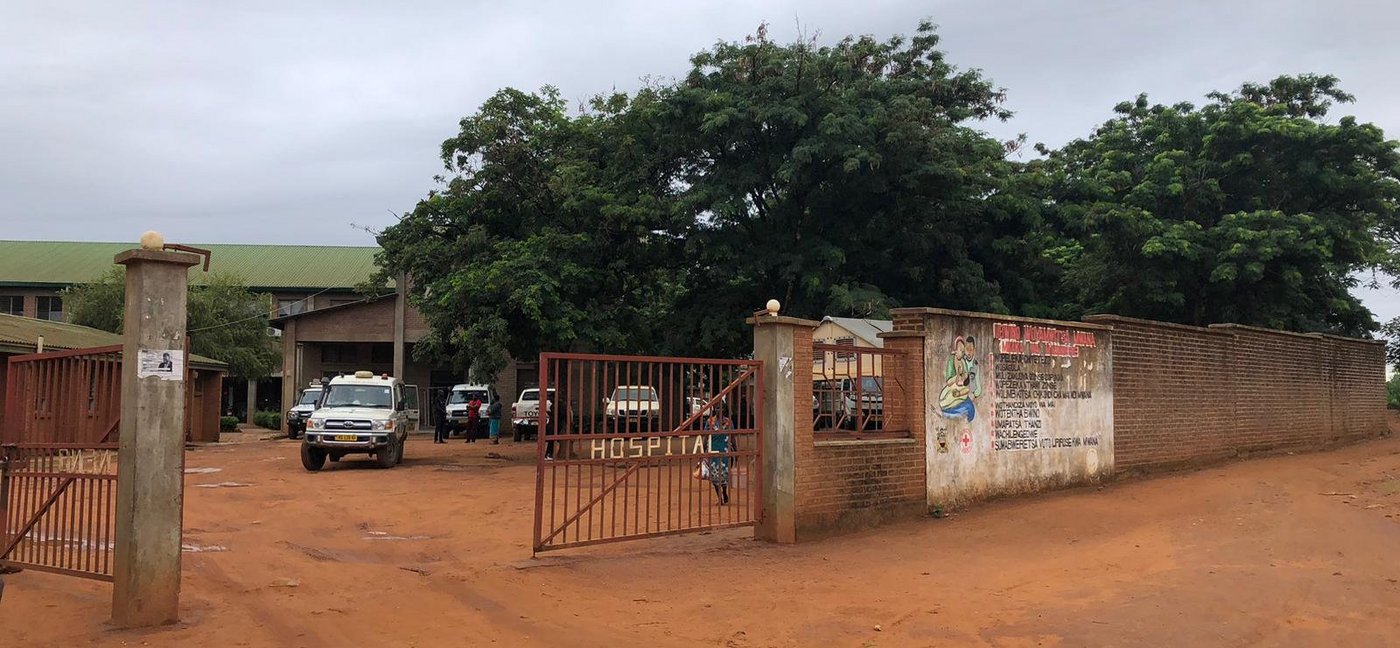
<point x="493" y="419"/>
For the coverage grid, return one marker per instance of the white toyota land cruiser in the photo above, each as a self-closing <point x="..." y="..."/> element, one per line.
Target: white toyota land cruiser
<point x="361" y="414"/>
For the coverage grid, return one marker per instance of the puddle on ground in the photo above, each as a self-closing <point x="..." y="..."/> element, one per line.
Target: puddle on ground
<point x="223" y="485"/>
<point x="384" y="535"/>
<point x="193" y="548"/>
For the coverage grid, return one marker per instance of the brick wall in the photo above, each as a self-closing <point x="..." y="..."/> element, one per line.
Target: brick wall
<point x="844" y="485"/>
<point x="1186" y="394"/>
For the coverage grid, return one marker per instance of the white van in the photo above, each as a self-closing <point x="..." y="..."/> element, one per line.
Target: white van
<point x="361" y="414"/>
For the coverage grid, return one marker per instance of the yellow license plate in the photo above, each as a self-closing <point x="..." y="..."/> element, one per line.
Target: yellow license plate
<point x="346" y="437"/>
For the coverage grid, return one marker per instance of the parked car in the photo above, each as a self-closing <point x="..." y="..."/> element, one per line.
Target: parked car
<point x="363" y="413"/>
<point x="525" y="413"/>
<point x="632" y="406"/>
<point x="836" y="405"/>
<point x="306" y="405"/>
<point x="457" y="400"/>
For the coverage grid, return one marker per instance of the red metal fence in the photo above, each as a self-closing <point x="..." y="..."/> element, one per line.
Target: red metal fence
<point x="636" y="447"/>
<point x="857" y="390"/>
<point x="58" y="507"/>
<point x="63" y="397"/>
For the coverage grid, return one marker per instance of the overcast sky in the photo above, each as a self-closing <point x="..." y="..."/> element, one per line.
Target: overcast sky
<point x="286" y="122"/>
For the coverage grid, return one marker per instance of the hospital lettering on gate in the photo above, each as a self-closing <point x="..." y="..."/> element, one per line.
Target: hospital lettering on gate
<point x="656" y="446"/>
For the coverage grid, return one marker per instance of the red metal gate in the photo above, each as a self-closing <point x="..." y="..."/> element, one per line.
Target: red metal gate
<point x="58" y="472"/>
<point x="637" y="447"/>
<point x="58" y="507"/>
<point x="63" y="397"/>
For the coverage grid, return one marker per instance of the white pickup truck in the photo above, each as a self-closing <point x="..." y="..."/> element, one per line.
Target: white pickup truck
<point x="301" y="412"/>
<point x="525" y="413"/>
<point x="633" y="407"/>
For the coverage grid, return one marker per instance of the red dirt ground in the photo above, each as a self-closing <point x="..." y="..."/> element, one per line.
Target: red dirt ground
<point x="1281" y="551"/>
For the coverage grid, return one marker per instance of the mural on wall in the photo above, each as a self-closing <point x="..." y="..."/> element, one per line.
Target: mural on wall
<point x="1035" y="410"/>
<point x="962" y="381"/>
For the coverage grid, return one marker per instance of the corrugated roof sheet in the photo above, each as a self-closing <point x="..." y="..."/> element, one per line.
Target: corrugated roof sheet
<point x="61" y="263"/>
<point x="866" y="329"/>
<point x="21" y="334"/>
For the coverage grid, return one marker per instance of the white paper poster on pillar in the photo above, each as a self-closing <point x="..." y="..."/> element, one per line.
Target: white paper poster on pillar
<point x="165" y="364"/>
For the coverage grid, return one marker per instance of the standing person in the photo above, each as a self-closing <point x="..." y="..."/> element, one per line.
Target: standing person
<point x="440" y="413"/>
<point x="493" y="412"/>
<point x="719" y="426"/>
<point x="473" y="418"/>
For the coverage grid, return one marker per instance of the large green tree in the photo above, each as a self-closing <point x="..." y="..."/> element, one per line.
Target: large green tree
<point x="225" y="320"/>
<point x="1254" y="208"/>
<point x="842" y="180"/>
<point x="549" y="233"/>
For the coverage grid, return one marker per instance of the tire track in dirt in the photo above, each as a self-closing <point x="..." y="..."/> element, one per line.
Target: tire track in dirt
<point x="271" y="619"/>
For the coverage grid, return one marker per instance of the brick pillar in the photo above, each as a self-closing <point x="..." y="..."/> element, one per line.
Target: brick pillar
<point x="782" y="343"/>
<point x="905" y="371"/>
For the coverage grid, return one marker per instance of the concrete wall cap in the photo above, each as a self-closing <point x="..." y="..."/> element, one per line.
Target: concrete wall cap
<point x="159" y="256"/>
<point x="1106" y="317"/>
<point x="1315" y="336"/>
<point x="780" y="319"/>
<point x="831" y="443"/>
<point x="994" y="316"/>
<point x="902" y="334"/>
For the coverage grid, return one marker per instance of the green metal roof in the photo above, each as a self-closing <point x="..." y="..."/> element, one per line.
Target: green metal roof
<point x="63" y="263"/>
<point x="21" y="335"/>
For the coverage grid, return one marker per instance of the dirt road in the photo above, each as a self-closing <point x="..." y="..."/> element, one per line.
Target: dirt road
<point x="1284" y="551"/>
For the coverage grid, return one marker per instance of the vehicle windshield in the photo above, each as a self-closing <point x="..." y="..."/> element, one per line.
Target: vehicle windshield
<point x="634" y="394"/>
<point x="532" y="395"/>
<point x="871" y="385"/>
<point x="359" y="396"/>
<point x="458" y="397"/>
<point x="309" y="396"/>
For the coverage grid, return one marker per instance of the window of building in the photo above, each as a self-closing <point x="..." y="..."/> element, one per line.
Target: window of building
<point x="381" y="353"/>
<point x="12" y="305"/>
<point x="343" y="353"/>
<point x="845" y="341"/>
<point x="287" y="307"/>
<point x="51" y="308"/>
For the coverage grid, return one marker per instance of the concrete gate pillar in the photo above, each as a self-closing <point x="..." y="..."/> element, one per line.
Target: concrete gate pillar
<point x="150" y="461"/>
<point x="400" y="313"/>
<point x="252" y="400"/>
<point x="779" y="342"/>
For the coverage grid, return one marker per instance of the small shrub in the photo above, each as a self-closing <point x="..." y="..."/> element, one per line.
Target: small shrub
<point x="269" y="420"/>
<point x="228" y="423"/>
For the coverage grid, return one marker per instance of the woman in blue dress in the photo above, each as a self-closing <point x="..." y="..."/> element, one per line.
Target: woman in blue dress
<point x="718" y="467"/>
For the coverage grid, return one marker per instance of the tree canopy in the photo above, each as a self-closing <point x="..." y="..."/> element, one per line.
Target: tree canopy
<point x="1250" y="209"/>
<point x="849" y="178"/>
<point x="841" y="179"/>
<point x="226" y="321"/>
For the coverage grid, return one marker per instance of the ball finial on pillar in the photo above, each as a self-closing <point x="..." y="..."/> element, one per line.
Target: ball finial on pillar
<point x="773" y="307"/>
<point x="152" y="240"/>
